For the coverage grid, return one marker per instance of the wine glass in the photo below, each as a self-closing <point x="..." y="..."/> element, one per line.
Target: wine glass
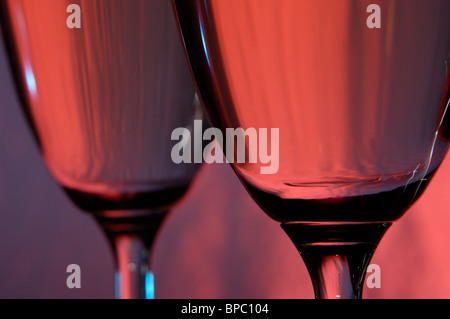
<point x="354" y="96"/>
<point x="102" y="99"/>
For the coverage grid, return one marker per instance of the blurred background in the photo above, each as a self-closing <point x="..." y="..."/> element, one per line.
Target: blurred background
<point x="217" y="243"/>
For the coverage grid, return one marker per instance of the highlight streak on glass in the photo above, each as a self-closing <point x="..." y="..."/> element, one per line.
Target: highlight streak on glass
<point x="28" y="70"/>
<point x="203" y="40"/>
<point x="117" y="286"/>
<point x="434" y="143"/>
<point x="31" y="81"/>
<point x="149" y="286"/>
<point x="436" y="134"/>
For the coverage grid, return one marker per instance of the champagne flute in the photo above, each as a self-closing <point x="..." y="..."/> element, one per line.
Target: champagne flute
<point x="359" y="94"/>
<point x="102" y="100"/>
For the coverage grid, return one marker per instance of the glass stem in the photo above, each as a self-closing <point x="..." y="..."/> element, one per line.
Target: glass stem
<point x="336" y="255"/>
<point x="131" y="235"/>
<point x="132" y="266"/>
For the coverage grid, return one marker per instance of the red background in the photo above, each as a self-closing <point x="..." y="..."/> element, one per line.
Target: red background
<point x="217" y="243"/>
